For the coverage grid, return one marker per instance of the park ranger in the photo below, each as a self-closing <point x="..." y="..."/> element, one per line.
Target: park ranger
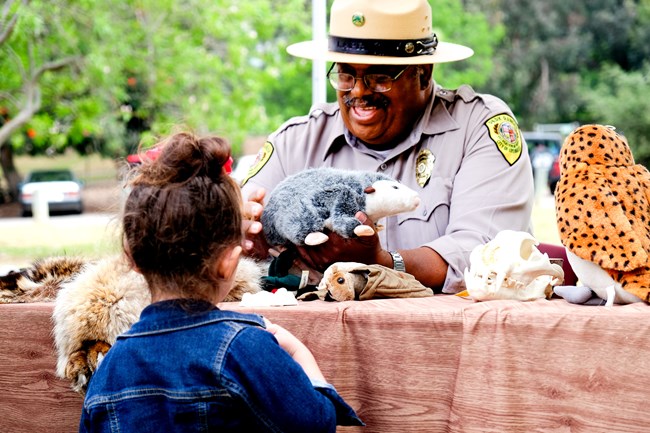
<point x="460" y="150"/>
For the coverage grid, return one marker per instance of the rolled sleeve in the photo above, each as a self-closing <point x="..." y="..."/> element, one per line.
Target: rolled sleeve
<point x="489" y="195"/>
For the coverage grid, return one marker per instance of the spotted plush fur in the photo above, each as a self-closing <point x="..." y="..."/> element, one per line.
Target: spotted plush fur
<point x="603" y="206"/>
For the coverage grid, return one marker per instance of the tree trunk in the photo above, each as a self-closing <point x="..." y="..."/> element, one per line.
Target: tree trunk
<point x="12" y="176"/>
<point x="539" y="100"/>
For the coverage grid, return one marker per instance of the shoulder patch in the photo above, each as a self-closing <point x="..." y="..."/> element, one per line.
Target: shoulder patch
<point x="504" y="131"/>
<point x="263" y="156"/>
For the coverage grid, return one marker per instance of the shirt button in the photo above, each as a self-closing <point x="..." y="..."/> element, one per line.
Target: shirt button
<point x="383" y="167"/>
<point x="424" y="212"/>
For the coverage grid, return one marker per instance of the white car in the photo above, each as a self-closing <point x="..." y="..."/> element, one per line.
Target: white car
<point x="60" y="188"/>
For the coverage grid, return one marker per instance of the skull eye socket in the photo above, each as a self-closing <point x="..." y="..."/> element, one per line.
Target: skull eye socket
<point x="340" y="280"/>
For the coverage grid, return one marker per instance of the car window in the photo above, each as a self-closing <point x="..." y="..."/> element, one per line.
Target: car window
<point x="50" y="176"/>
<point x="552" y="142"/>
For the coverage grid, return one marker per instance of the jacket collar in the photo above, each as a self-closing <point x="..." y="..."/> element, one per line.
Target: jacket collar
<point x="180" y="314"/>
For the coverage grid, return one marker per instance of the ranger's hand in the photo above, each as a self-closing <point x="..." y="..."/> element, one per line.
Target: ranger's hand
<point x="255" y="244"/>
<point x="361" y="249"/>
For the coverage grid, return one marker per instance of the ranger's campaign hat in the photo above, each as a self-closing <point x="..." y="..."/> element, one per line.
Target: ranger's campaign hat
<point x="381" y="32"/>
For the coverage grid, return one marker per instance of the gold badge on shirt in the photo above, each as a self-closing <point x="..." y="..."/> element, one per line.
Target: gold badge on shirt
<point x="505" y="133"/>
<point x="424" y="166"/>
<point x="263" y="156"/>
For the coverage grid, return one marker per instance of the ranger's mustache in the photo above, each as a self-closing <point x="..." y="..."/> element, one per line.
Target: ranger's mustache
<point x="366" y="102"/>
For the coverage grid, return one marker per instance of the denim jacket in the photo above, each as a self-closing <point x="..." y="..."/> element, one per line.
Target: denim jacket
<point x="187" y="366"/>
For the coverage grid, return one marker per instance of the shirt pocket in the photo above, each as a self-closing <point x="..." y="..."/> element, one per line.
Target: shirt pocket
<point x="431" y="217"/>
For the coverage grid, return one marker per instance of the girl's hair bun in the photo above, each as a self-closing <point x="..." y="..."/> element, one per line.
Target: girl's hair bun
<point x="182" y="212"/>
<point x="184" y="156"/>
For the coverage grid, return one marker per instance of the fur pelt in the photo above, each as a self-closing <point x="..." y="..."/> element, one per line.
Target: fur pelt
<point x="39" y="282"/>
<point x="95" y="301"/>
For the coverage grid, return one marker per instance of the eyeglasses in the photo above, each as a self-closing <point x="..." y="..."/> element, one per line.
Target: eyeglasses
<point x="375" y="82"/>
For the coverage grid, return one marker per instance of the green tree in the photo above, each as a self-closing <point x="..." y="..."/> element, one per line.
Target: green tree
<point x="137" y="68"/>
<point x="620" y="99"/>
<point x="140" y="67"/>
<point x="466" y="26"/>
<point x="32" y="48"/>
<point x="551" y="47"/>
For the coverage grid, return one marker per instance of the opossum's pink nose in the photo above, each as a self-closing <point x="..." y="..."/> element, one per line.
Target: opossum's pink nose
<point x="417" y="201"/>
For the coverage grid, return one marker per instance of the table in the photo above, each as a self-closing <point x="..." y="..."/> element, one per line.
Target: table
<point x="438" y="364"/>
<point x="446" y="364"/>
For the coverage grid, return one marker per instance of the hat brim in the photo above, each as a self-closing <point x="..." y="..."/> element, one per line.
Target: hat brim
<point x="318" y="50"/>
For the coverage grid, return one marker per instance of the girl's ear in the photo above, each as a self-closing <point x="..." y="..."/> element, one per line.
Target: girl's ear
<point x="127" y="254"/>
<point x="227" y="264"/>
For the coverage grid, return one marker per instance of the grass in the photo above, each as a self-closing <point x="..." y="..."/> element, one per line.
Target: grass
<point x="26" y="240"/>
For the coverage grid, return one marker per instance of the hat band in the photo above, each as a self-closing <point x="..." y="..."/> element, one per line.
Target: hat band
<point x="384" y="47"/>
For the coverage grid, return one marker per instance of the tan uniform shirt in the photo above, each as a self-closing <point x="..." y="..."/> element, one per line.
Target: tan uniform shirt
<point x="477" y="182"/>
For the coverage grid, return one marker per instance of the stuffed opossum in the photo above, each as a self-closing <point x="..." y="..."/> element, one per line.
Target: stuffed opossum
<point x="306" y="203"/>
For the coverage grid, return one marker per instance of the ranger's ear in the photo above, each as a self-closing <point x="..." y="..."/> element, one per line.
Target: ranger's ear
<point x="425" y="73"/>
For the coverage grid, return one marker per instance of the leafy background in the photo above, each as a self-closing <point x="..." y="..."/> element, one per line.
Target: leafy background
<point x="103" y="76"/>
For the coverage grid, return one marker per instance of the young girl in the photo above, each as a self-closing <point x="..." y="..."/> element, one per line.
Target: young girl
<point x="187" y="366"/>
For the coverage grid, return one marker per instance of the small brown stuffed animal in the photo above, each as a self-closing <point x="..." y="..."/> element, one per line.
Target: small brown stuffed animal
<point x="603" y="214"/>
<point x="347" y="281"/>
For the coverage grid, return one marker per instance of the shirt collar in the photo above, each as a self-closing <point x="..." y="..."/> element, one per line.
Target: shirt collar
<point x="336" y="138"/>
<point x="174" y="314"/>
<point x="437" y="118"/>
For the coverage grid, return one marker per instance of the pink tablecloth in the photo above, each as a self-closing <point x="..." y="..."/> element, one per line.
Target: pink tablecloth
<point x="440" y="364"/>
<point x="446" y="364"/>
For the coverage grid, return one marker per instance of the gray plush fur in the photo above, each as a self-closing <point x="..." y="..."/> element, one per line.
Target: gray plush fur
<point x="314" y="199"/>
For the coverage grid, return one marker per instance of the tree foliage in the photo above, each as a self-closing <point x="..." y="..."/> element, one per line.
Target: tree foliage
<point x="142" y="66"/>
<point x="115" y="73"/>
<point x="33" y="48"/>
<point x="453" y="23"/>
<point x="217" y="65"/>
<point x="560" y="61"/>
<point x="620" y="99"/>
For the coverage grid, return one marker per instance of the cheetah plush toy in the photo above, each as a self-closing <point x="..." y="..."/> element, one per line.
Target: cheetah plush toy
<point x="603" y="214"/>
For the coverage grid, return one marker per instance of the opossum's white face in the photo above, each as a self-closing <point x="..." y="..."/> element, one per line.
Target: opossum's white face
<point x="390" y="198"/>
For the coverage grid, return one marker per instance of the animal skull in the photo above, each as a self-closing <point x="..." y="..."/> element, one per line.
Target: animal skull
<point x="511" y="267"/>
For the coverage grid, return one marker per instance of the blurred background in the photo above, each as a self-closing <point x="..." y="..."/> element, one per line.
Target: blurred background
<point x="84" y="82"/>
